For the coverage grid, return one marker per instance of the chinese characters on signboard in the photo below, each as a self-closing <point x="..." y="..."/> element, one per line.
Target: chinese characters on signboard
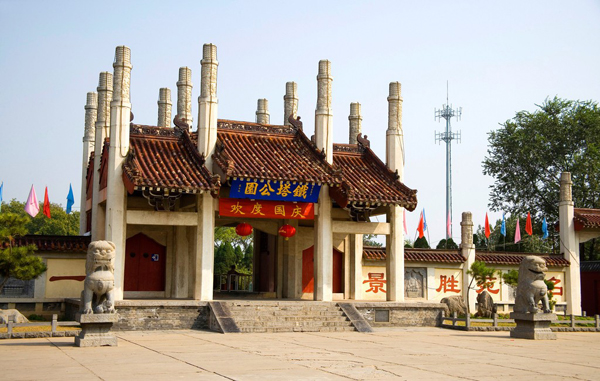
<point x="274" y="190"/>
<point x="229" y="207"/>
<point x="376" y="282"/>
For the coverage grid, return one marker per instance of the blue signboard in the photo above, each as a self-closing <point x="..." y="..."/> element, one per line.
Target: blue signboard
<point x="274" y="190"/>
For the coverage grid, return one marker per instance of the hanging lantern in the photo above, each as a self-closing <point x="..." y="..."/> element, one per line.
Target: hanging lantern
<point x="243" y="229"/>
<point x="287" y="231"/>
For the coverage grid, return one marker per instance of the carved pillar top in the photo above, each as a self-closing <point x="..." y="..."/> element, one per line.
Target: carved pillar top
<point x="164" y="107"/>
<point x="466" y="228"/>
<point x="355" y="122"/>
<point x="184" y="95"/>
<point x="262" y="112"/>
<point x="566" y="186"/>
<point x="91" y="114"/>
<point x="290" y="102"/>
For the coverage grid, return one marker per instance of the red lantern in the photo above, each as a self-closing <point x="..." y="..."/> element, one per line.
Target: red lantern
<point x="287" y="231"/>
<point x="243" y="229"/>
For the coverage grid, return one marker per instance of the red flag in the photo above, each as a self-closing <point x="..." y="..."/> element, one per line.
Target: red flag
<point x="528" y="227"/>
<point x="46" y="204"/>
<point x="421" y="227"/>
<point x="487" y="226"/>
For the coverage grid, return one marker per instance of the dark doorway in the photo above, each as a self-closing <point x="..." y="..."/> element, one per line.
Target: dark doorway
<point x="145" y="264"/>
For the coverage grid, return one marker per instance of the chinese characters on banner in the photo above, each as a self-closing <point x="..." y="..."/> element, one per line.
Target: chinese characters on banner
<point x="274" y="190"/>
<point x="229" y="207"/>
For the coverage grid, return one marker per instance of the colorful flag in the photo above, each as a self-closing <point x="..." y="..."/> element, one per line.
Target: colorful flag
<point x="32" y="206"/>
<point x="517" y="232"/>
<point x="421" y="226"/>
<point x="424" y="221"/>
<point x="70" y="199"/>
<point x="1" y="186"/>
<point x="487" y="226"/>
<point x="449" y="226"/>
<point x="46" y="204"/>
<point x="545" y="228"/>
<point x="528" y="227"/>
<point x="503" y="227"/>
<point x="404" y="217"/>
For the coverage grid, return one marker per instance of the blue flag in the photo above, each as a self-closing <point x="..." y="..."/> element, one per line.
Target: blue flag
<point x="503" y="228"/>
<point x="1" y="186"/>
<point x="545" y="228"/>
<point x="70" y="199"/>
<point x="424" y="220"/>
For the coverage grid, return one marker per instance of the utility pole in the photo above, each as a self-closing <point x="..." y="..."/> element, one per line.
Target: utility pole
<point x="447" y="113"/>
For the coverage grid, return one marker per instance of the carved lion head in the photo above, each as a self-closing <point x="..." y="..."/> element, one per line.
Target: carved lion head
<point x="100" y="254"/>
<point x="532" y="268"/>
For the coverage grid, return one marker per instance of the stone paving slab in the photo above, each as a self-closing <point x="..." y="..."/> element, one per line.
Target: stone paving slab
<point x="388" y="353"/>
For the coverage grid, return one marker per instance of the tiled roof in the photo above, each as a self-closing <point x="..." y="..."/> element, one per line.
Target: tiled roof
<point x="165" y="158"/>
<point x="368" y="179"/>
<point x="586" y="218"/>
<point x="269" y="152"/>
<point x="590" y="266"/>
<point x="503" y="258"/>
<point x="62" y="243"/>
<point x="415" y="255"/>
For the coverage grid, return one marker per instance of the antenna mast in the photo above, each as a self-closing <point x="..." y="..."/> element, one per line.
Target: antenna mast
<point x="447" y="113"/>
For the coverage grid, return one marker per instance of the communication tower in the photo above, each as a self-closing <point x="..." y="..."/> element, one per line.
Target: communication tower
<point x="447" y="113"/>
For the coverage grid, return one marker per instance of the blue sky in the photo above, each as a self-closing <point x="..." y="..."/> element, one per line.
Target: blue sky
<point x="499" y="58"/>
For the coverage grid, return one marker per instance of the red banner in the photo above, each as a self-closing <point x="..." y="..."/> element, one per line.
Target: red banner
<point x="235" y="207"/>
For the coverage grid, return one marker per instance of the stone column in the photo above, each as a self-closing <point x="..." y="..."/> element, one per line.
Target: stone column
<point x="116" y="197"/>
<point x="569" y="244"/>
<point x="356" y="253"/>
<point x="164" y="107"/>
<point x="91" y="114"/>
<point x="467" y="248"/>
<point x="395" y="162"/>
<point x="262" y="112"/>
<point x="290" y="102"/>
<point x="207" y="104"/>
<point x="323" y="251"/>
<point x="204" y="256"/>
<point x="105" y="93"/>
<point x="184" y="95"/>
<point x="355" y="122"/>
<point x="293" y="264"/>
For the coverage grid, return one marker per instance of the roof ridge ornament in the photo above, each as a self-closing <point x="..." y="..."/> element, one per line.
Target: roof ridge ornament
<point x="181" y="123"/>
<point x="295" y="122"/>
<point x="364" y="142"/>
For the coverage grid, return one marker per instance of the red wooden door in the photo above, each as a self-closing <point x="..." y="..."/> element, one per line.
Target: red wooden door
<point x="145" y="264"/>
<point x="308" y="270"/>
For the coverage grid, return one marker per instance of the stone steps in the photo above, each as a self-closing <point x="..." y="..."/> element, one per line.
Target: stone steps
<point x="295" y="316"/>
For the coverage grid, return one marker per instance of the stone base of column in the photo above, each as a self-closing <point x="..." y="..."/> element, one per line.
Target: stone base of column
<point x="95" y="330"/>
<point x="533" y="326"/>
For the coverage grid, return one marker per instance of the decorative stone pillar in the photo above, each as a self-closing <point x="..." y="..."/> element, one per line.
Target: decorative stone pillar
<point x="262" y="112"/>
<point x="164" y="107"/>
<point x="105" y="93"/>
<point x="290" y="102"/>
<point x="207" y="104"/>
<point x="116" y="197"/>
<point x="569" y="244"/>
<point x="203" y="259"/>
<point x="356" y="253"/>
<point x="323" y="257"/>
<point x="467" y="248"/>
<point x="184" y="95"/>
<point x="394" y="156"/>
<point x="355" y="122"/>
<point x="91" y="114"/>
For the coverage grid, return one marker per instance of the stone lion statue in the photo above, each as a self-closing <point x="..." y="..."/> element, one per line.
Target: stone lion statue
<point x="531" y="288"/>
<point x="98" y="290"/>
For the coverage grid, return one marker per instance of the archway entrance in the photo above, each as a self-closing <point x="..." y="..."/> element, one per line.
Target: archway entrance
<point x="308" y="270"/>
<point x="145" y="264"/>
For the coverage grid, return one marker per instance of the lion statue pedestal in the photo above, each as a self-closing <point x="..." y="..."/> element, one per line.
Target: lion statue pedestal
<point x="532" y="322"/>
<point x="97" y="313"/>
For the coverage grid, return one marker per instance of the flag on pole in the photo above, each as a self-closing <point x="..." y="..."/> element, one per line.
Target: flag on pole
<point x="424" y="221"/>
<point x="517" y="232"/>
<point x="528" y="227"/>
<point x="1" y="186"/>
<point x="32" y="206"/>
<point x="46" y="204"/>
<point x="449" y="226"/>
<point x="487" y="226"/>
<point x="70" y="199"/>
<point x="421" y="226"/>
<point x="545" y="228"/>
<point x="503" y="227"/>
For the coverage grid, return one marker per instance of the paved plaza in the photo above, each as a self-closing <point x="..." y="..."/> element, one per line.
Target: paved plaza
<point x="397" y="353"/>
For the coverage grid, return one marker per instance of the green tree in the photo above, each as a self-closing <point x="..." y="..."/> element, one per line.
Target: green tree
<point x="227" y="234"/>
<point x="528" y="153"/>
<point x="369" y="240"/>
<point x="447" y="244"/>
<point x="421" y="243"/>
<point x="16" y="261"/>
<point x="60" y="222"/>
